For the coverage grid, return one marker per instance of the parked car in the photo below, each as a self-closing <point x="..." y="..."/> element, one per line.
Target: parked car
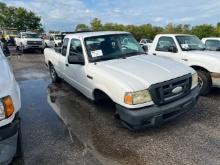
<point x="10" y="104"/>
<point x="189" y="50"/>
<point x="146" y="90"/>
<point x="212" y="43"/>
<point x="146" y="44"/>
<point x="29" y="40"/>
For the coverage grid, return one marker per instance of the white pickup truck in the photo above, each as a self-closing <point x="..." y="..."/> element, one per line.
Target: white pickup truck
<point x="189" y="50"/>
<point x="212" y="43"/>
<point x="147" y="90"/>
<point x="29" y="40"/>
<point x="10" y="104"/>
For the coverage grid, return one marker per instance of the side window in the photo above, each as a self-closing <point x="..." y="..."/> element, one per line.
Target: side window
<point x="64" y="48"/>
<point x="165" y="43"/>
<point x="212" y="44"/>
<point x="75" y="48"/>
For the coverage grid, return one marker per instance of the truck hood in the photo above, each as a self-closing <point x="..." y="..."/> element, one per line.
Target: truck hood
<point x="6" y="78"/>
<point x="205" y="53"/>
<point x="143" y="70"/>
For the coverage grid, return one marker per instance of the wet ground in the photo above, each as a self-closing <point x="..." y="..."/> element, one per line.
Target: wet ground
<point x="61" y="126"/>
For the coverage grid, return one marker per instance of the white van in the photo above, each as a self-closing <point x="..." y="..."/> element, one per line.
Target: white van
<point x="10" y="104"/>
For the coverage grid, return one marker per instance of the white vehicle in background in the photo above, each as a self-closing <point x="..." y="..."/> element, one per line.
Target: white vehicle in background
<point x="189" y="50"/>
<point x="146" y="90"/>
<point x="29" y="40"/>
<point x="146" y="44"/>
<point x="10" y="104"/>
<point x="212" y="43"/>
<point x="55" y="40"/>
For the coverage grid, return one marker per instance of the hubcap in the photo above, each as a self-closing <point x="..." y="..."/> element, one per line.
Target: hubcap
<point x="200" y="81"/>
<point x="53" y="74"/>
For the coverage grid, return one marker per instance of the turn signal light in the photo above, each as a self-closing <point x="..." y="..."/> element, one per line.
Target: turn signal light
<point x="8" y="105"/>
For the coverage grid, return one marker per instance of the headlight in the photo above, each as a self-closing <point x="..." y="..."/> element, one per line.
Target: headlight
<point x="2" y="111"/>
<point x="194" y="80"/>
<point x="139" y="97"/>
<point x="6" y="107"/>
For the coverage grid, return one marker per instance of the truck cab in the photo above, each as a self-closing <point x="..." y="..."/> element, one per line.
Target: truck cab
<point x="146" y="90"/>
<point x="212" y="43"/>
<point x="189" y="50"/>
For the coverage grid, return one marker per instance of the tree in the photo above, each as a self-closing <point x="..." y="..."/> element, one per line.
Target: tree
<point x="19" y="18"/>
<point x="204" y="31"/>
<point x="96" y="24"/>
<point x="81" y="26"/>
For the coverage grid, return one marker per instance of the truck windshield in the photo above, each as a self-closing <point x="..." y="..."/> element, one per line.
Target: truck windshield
<point x="190" y="43"/>
<point x="107" y="47"/>
<point x="30" y="35"/>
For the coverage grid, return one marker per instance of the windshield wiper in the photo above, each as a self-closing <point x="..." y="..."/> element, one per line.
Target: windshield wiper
<point x="133" y="54"/>
<point x="104" y="59"/>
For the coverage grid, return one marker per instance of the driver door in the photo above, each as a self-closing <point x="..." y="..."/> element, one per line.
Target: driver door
<point x="75" y="72"/>
<point x="166" y="48"/>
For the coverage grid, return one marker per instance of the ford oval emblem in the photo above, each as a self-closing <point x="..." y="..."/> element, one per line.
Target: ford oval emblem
<point x="177" y="90"/>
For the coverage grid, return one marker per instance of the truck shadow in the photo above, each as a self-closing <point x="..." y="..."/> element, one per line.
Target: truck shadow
<point x="97" y="128"/>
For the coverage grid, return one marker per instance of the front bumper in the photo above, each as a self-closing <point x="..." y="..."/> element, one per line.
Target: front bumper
<point x="157" y="115"/>
<point x="8" y="141"/>
<point x="33" y="47"/>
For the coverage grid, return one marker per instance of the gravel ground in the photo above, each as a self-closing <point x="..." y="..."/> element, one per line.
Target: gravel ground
<point x="92" y="135"/>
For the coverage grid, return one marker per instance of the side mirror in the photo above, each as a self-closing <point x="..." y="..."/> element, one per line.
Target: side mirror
<point x="145" y="47"/>
<point x="74" y="59"/>
<point x="172" y="49"/>
<point x="58" y="49"/>
<point x="6" y="51"/>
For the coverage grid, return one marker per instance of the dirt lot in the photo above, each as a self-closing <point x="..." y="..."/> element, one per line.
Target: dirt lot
<point x="90" y="134"/>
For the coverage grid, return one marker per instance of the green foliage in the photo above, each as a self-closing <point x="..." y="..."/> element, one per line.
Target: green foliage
<point x="96" y="24"/>
<point x="204" y="31"/>
<point x="19" y="18"/>
<point x="81" y="26"/>
<point x="149" y="31"/>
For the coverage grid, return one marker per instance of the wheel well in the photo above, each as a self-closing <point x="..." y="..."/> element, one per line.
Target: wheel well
<point x="50" y="63"/>
<point x="199" y="68"/>
<point x="100" y="95"/>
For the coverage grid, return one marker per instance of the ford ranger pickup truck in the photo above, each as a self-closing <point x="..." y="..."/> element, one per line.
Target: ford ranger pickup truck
<point x="29" y="40"/>
<point x="10" y="104"/>
<point x="189" y="50"/>
<point x="146" y="90"/>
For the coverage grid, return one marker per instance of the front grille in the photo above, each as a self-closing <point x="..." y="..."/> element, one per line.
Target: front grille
<point x="34" y="42"/>
<point x="164" y="93"/>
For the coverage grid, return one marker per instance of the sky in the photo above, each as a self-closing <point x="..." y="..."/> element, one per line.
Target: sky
<point x="64" y="15"/>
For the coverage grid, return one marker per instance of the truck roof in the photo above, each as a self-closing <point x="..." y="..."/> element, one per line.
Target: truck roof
<point x="28" y="33"/>
<point x="214" y="38"/>
<point x="173" y="35"/>
<point x="91" y="34"/>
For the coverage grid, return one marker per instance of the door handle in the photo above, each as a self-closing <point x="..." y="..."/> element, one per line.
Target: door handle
<point x="184" y="59"/>
<point x="67" y="65"/>
<point x="154" y="54"/>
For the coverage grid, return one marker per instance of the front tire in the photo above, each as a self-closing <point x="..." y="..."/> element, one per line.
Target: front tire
<point x="55" y="78"/>
<point x="19" y="156"/>
<point x="205" y="82"/>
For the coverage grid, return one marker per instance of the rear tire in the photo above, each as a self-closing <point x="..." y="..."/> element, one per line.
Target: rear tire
<point x="205" y="82"/>
<point x="55" y="78"/>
